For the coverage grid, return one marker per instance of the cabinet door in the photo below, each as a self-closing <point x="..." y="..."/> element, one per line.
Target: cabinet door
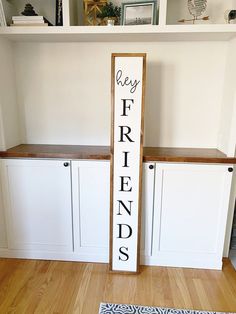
<point x="91" y="208"/>
<point x="91" y="202"/>
<point x="191" y="204"/>
<point x="38" y="203"/>
<point x="147" y="211"/>
<point x="3" y="234"/>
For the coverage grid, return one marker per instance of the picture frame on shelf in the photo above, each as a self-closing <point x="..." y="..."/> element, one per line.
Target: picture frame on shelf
<point x="139" y="13"/>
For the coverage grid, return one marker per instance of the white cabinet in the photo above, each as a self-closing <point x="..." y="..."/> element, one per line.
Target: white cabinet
<point x="38" y="205"/>
<point x="91" y="194"/>
<point x="91" y="208"/>
<point x="55" y="211"/>
<point x="39" y="215"/>
<point x="191" y="205"/>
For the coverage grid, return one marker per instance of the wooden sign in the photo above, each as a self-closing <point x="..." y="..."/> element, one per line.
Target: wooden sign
<point x="128" y="92"/>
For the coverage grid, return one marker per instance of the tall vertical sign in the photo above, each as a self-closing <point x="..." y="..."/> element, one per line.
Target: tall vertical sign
<point x="128" y="92"/>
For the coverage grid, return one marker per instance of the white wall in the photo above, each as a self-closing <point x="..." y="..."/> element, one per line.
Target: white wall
<point x="9" y="124"/>
<point x="64" y="92"/>
<point x="178" y="9"/>
<point x="227" y="136"/>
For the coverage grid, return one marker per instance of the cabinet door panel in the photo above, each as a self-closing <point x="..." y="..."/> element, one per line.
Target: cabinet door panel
<point x="191" y="202"/>
<point x="91" y="201"/>
<point x="38" y="205"/>
<point x="91" y="208"/>
<point x="147" y="209"/>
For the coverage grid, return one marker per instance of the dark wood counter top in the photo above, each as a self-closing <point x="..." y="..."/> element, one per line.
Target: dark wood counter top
<point x="57" y="151"/>
<point x="201" y="155"/>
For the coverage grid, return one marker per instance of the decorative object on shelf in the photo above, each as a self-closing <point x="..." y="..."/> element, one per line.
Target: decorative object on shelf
<point x="139" y="13"/>
<point x="91" y="10"/>
<point x="196" y="9"/>
<point x="128" y="95"/>
<point x="34" y="20"/>
<point x="2" y="15"/>
<point x="230" y="16"/>
<point x="110" y="22"/>
<point x="59" y="14"/>
<point x="29" y="18"/>
<point x="29" y="10"/>
<point x="110" y="14"/>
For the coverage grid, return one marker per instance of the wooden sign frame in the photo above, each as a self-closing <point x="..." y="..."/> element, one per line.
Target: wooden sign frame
<point x="130" y="85"/>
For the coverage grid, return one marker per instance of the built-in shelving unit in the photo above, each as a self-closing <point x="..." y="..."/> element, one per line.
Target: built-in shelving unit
<point x="121" y="33"/>
<point x="190" y="92"/>
<point x="55" y="86"/>
<point x="168" y="28"/>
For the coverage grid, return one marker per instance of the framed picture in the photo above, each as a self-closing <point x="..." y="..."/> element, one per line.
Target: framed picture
<point x="139" y="13"/>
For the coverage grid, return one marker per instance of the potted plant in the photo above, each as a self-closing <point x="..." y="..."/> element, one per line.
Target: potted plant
<point x="110" y="14"/>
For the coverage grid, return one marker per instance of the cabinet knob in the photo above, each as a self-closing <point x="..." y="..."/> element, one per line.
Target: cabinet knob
<point x="151" y="167"/>
<point x="230" y="169"/>
<point x="66" y="164"/>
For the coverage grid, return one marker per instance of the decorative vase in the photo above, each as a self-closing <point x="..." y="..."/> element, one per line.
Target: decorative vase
<point x="110" y="21"/>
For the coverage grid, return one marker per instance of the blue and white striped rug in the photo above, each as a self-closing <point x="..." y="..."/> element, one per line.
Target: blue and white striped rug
<point x="108" y="308"/>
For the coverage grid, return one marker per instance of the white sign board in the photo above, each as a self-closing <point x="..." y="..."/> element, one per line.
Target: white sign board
<point x="128" y="82"/>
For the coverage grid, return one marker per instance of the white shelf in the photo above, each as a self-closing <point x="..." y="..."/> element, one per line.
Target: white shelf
<point x="148" y="33"/>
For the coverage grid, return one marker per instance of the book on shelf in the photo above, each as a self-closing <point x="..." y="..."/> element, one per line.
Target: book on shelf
<point x="29" y="24"/>
<point x="23" y="20"/>
<point x="26" y="18"/>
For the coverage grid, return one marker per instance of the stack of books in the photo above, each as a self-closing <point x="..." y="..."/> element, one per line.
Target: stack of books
<point x="24" y="20"/>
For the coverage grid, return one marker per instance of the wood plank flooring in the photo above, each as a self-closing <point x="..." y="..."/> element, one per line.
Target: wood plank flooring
<point x="29" y="286"/>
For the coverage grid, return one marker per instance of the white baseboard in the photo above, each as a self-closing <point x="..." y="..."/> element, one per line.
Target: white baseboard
<point x="58" y="256"/>
<point x="187" y="261"/>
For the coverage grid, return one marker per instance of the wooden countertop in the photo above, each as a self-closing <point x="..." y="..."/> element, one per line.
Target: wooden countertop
<point x="103" y="153"/>
<point x="58" y="151"/>
<point x="203" y="155"/>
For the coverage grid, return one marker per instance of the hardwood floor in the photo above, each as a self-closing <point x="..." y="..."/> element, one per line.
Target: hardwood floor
<point x="28" y="286"/>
